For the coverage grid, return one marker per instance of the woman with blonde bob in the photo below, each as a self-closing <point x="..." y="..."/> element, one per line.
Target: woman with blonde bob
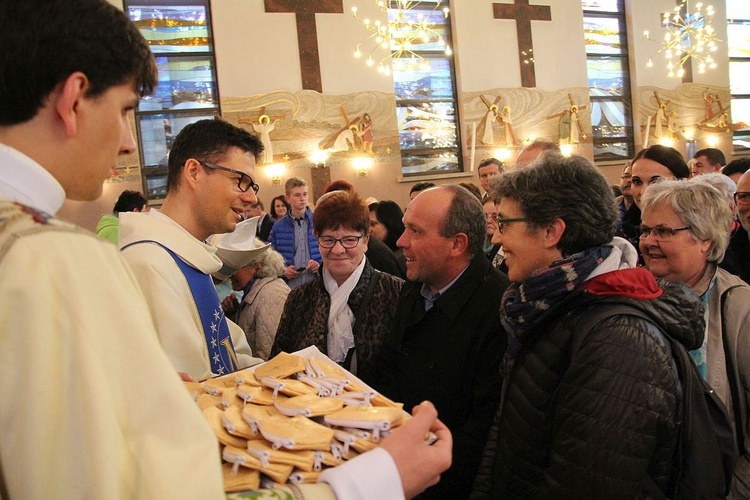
<point x="684" y="233"/>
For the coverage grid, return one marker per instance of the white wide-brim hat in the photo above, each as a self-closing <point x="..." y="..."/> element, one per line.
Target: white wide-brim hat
<point x="238" y="248"/>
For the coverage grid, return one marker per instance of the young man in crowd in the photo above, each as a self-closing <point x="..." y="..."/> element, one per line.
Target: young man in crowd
<point x="292" y="236"/>
<point x="708" y="160"/>
<point x="209" y="184"/>
<point x="74" y="327"/>
<point x="109" y="225"/>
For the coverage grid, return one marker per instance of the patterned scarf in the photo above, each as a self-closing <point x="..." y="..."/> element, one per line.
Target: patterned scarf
<point x="523" y="304"/>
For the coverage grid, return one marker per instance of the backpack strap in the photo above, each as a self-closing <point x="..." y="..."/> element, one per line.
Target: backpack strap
<point x="603" y="312"/>
<point x="732" y="374"/>
<point x="698" y="407"/>
<point x="586" y="323"/>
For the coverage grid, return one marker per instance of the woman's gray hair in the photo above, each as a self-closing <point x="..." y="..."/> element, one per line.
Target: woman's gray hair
<point x="724" y="184"/>
<point x="700" y="206"/>
<point x="571" y="189"/>
<point x="272" y="262"/>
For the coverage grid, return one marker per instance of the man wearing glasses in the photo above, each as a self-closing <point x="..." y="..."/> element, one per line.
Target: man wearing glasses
<point x="209" y="184"/>
<point x="737" y="260"/>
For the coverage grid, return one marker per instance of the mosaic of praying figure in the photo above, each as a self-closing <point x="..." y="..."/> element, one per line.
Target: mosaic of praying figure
<point x="264" y="128"/>
<point x="717" y="118"/>
<point x="672" y="124"/>
<point x="660" y="122"/>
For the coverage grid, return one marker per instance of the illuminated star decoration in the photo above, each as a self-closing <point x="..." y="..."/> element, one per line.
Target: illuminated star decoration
<point x="405" y="28"/>
<point x="688" y="36"/>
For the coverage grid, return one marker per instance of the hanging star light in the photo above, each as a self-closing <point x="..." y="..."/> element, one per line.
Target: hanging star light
<point x="688" y="36"/>
<point x="407" y="27"/>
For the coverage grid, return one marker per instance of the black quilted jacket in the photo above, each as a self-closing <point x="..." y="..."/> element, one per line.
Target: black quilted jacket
<point x="591" y="417"/>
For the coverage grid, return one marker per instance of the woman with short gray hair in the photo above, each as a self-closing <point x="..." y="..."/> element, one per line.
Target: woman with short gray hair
<point x="684" y="233"/>
<point x="590" y="391"/>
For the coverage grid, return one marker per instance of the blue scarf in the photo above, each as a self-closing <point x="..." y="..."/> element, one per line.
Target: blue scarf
<point x="523" y="304"/>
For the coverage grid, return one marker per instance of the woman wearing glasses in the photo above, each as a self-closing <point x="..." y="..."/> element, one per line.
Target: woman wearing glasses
<point x="684" y="232"/>
<point x="650" y="165"/>
<point x="347" y="310"/>
<point x="588" y="408"/>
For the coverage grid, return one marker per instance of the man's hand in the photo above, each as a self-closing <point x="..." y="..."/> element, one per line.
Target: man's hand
<point x="418" y="463"/>
<point x="290" y="272"/>
<point x="185" y="377"/>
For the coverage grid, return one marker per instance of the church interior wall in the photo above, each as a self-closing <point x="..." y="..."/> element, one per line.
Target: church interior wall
<point x="258" y="67"/>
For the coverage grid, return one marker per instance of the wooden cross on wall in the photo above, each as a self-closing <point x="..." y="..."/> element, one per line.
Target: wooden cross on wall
<point x="523" y="13"/>
<point x="307" y="33"/>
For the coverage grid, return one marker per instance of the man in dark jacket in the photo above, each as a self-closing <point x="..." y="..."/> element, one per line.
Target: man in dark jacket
<point x="447" y="340"/>
<point x="265" y="223"/>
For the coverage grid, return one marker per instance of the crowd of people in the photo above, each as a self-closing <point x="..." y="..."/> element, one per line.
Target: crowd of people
<point x="525" y="322"/>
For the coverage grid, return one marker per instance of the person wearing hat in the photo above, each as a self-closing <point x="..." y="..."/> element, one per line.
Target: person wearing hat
<point x="254" y="270"/>
<point x="209" y="184"/>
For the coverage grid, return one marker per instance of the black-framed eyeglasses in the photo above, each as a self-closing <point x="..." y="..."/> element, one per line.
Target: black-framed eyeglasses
<point x="347" y="242"/>
<point x="501" y="223"/>
<point x="742" y="198"/>
<point x="661" y="233"/>
<point x="244" y="183"/>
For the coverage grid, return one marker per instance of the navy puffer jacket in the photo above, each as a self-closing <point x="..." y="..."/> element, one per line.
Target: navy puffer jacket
<point x="591" y="414"/>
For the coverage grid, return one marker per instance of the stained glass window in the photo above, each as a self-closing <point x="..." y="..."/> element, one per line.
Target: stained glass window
<point x="609" y="79"/>
<point x="738" y="34"/>
<point x="603" y="35"/>
<point x="172" y="28"/>
<point x="602" y="5"/>
<point x="180" y="36"/>
<point x="425" y="86"/>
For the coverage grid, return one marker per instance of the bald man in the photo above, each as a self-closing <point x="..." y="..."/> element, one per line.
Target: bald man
<point x="533" y="150"/>
<point x="447" y="340"/>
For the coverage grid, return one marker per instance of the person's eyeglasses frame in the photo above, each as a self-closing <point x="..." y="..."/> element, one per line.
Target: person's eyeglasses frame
<point x="502" y="222"/>
<point x="667" y="232"/>
<point x="250" y="184"/>
<point x="339" y="240"/>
